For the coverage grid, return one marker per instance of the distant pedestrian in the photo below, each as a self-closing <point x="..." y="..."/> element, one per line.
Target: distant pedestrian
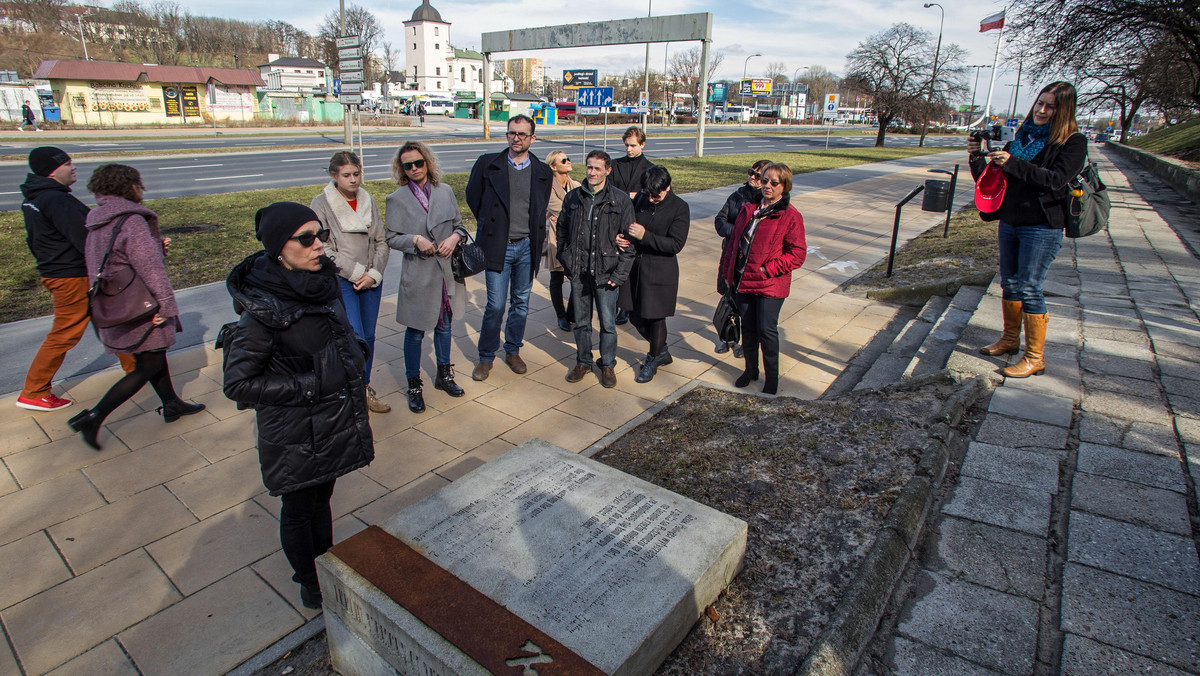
<point x="123" y="233"/>
<point x="659" y="232"/>
<point x="28" y="118"/>
<point x="56" y="235"/>
<point x="421" y="112"/>
<point x="561" y="165"/>
<point x="358" y="247"/>
<point x="767" y="244"/>
<point x="296" y="360"/>
<point x="592" y="217"/>
<point x="508" y="193"/>
<point x="1035" y="167"/>
<point x="749" y="192"/>
<point x="423" y="222"/>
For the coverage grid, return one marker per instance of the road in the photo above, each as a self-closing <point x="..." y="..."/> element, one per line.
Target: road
<point x="212" y="173"/>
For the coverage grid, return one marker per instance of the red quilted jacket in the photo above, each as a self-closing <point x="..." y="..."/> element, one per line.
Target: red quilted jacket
<point x="778" y="246"/>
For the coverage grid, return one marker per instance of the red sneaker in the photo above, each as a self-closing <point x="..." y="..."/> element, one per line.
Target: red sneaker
<point x="46" y="403"/>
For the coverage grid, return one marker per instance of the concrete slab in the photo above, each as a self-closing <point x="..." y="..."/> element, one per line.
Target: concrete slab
<point x="1032" y="406"/>
<point x="613" y="567"/>
<point x="207" y="551"/>
<point x="1130" y="502"/>
<point x="1130" y="368"/>
<point x="1134" y="551"/>
<point x="973" y="622"/>
<point x="1096" y="429"/>
<point x="45" y="504"/>
<point x="1142" y="468"/>
<point x="107" y="658"/>
<point x="1132" y="615"/>
<point x="1023" y="434"/>
<point x="910" y="658"/>
<point x="1026" y="469"/>
<point x="1146" y="407"/>
<point x="29" y="566"/>
<point x="997" y="558"/>
<point x="103" y="534"/>
<point x="1084" y="656"/>
<point x="1020" y="509"/>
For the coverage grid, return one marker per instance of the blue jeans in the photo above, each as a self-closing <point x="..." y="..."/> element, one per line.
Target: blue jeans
<point x="1025" y="256"/>
<point x="412" y="349"/>
<point x="362" y="309"/>
<point x="514" y="280"/>
<point x="583" y="293"/>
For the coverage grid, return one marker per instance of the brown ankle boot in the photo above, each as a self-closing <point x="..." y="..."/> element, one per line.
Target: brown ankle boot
<point x="1033" y="362"/>
<point x="1010" y="340"/>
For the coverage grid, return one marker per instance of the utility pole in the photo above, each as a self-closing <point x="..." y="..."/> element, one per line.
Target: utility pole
<point x="345" y="109"/>
<point x="646" y="84"/>
<point x="79" y="22"/>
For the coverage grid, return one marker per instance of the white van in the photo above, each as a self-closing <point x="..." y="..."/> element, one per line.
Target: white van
<point x="733" y="113"/>
<point x="439" y="107"/>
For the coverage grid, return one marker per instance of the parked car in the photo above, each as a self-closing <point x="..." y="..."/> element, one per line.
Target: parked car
<point x="439" y="107"/>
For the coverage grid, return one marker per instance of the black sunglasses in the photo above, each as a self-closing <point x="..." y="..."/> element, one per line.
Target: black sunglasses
<point x="565" y="159"/>
<point x="753" y="174"/>
<point x="415" y="163"/>
<point x="773" y="182"/>
<point x="306" y="240"/>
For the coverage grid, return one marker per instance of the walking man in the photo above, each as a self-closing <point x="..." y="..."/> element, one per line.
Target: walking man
<point x="28" y="118"/>
<point x="592" y="217"/>
<point x="55" y="234"/>
<point x="508" y="193"/>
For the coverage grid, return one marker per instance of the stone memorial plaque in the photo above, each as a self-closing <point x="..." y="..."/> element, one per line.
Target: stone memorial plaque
<point x="580" y="556"/>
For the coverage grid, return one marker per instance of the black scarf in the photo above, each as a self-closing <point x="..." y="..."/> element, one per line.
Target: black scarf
<point x="302" y="286"/>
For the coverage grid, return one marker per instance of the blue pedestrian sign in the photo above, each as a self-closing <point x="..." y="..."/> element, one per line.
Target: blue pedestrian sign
<point x="1012" y="122"/>
<point x="591" y="100"/>
<point x="337" y="86"/>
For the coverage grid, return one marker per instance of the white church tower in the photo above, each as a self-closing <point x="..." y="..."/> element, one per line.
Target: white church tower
<point x="427" y="49"/>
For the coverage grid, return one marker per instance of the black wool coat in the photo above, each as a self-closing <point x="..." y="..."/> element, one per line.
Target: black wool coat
<point x="653" y="287"/>
<point x="301" y="367"/>
<point x="487" y="197"/>
<point x="627" y="172"/>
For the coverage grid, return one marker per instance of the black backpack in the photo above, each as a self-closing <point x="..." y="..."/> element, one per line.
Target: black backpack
<point x="1089" y="205"/>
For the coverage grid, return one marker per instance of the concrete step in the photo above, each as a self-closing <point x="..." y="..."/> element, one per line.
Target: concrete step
<point x="941" y="340"/>
<point x="890" y="367"/>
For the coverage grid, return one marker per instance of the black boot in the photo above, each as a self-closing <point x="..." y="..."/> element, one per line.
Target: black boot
<point x="647" y="370"/>
<point x="445" y="381"/>
<point x="87" y="423"/>
<point x="172" y="410"/>
<point x="416" y="398"/>
<point x="311" y="596"/>
<point x="771" y="385"/>
<point x="750" y="374"/>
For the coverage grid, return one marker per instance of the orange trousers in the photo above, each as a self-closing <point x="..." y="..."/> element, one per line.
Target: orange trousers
<point x="70" y="321"/>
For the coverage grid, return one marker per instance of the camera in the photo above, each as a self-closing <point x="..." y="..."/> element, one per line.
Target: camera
<point x="986" y="136"/>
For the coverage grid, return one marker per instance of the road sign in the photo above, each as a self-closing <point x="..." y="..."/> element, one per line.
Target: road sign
<point x="352" y="76"/>
<point x="350" y="53"/>
<point x="574" y="79"/>
<point x="350" y="99"/>
<point x="350" y="64"/>
<point x="643" y="102"/>
<point x="348" y="41"/>
<point x="590" y="100"/>
<point x="1012" y="122"/>
<point x="757" y="86"/>
<point x="831" y="106"/>
<point x="791" y="88"/>
<point x="337" y="86"/>
<point x="351" y="88"/>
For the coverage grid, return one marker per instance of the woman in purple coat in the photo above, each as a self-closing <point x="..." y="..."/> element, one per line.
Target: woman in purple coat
<point x="120" y="220"/>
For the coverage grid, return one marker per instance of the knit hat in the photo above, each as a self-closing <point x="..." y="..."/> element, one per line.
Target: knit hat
<point x="45" y="159"/>
<point x="989" y="189"/>
<point x="275" y="224"/>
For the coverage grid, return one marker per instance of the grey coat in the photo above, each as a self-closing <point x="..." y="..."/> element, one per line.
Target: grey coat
<point x="422" y="277"/>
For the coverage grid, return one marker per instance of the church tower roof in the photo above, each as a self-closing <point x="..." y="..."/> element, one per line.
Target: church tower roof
<point x="426" y="12"/>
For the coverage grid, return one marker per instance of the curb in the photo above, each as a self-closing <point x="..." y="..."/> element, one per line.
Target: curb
<point x="1173" y="172"/>
<point x="852" y="625"/>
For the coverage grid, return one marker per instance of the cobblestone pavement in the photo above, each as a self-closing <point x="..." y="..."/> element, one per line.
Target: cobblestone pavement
<point x="1069" y="542"/>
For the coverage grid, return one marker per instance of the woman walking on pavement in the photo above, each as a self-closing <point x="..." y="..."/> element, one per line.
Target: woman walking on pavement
<point x="423" y="222"/>
<point x="295" y="358"/>
<point x="122" y="233"/>
<point x="562" y="184"/>
<point x="751" y="191"/>
<point x="1034" y="169"/>
<point x="358" y="249"/>
<point x="766" y="246"/>
<point x="660" y="230"/>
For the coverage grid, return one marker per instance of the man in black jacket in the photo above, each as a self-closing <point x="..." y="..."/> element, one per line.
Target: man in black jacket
<point x="627" y="175"/>
<point x="592" y="217"/>
<point x="55" y="235"/>
<point x="508" y="193"/>
<point x="28" y="118"/>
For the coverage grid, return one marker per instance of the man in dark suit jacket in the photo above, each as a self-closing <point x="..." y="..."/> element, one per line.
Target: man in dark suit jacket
<point x="508" y="193"/>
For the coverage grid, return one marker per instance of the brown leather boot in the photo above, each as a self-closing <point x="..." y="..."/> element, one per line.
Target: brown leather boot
<point x="1010" y="340"/>
<point x="1033" y="362"/>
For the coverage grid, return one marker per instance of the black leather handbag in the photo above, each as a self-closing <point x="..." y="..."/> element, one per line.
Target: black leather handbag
<point x="468" y="259"/>
<point x="119" y="296"/>
<point x="727" y="321"/>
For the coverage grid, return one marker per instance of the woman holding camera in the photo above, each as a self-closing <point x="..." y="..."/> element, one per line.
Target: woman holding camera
<point x="1036" y="166"/>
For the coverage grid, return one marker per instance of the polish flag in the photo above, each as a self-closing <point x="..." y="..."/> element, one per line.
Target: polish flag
<point x="992" y="22"/>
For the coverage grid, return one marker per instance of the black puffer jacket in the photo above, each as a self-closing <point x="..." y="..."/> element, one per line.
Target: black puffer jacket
<point x="54" y="228"/>
<point x="301" y="367"/>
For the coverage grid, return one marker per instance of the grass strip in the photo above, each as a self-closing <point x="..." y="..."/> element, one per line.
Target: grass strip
<point x="212" y="233"/>
<point x="1179" y="140"/>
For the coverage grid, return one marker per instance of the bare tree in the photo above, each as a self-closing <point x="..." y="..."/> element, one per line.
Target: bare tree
<point x="820" y="82"/>
<point x="360" y="22"/>
<point x="891" y="67"/>
<point x="46" y="16"/>
<point x="685" y="68"/>
<point x="777" y="72"/>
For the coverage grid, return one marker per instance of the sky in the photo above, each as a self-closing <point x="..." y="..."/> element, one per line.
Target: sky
<point x="808" y="33"/>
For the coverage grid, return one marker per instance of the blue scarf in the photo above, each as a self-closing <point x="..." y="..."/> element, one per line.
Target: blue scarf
<point x="1030" y="140"/>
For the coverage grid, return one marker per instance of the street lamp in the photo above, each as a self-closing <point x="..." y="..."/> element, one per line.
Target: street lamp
<point x="741" y="90"/>
<point x="795" y="75"/>
<point x="933" y="76"/>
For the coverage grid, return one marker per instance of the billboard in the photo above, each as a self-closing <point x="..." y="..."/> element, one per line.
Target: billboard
<point x="757" y="86"/>
<point x="574" y="79"/>
<point x="718" y="92"/>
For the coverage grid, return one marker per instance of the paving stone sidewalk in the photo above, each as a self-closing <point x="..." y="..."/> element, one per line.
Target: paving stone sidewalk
<point x="160" y="555"/>
<point x="1069" y="544"/>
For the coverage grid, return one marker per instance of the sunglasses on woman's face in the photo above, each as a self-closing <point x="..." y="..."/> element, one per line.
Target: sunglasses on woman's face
<point x="415" y="163"/>
<point x="773" y="182"/>
<point x="565" y="160"/>
<point x="754" y="175"/>
<point x="307" y="239"/>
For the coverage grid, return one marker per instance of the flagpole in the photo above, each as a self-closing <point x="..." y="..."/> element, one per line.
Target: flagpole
<point x="992" y="82"/>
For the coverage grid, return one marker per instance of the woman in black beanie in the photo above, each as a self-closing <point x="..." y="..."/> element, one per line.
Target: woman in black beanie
<point x="296" y="360"/>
